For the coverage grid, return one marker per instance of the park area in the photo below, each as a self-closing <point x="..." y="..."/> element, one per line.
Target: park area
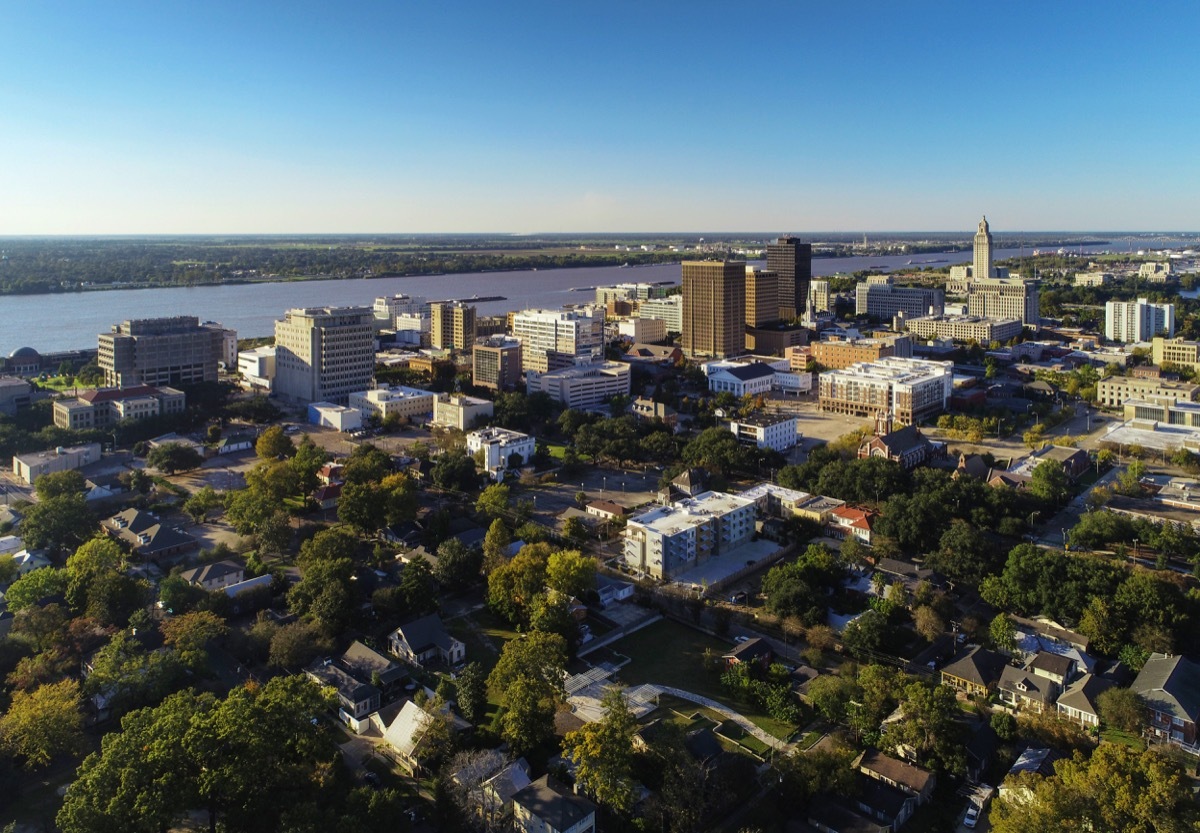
<point x="669" y="653"/>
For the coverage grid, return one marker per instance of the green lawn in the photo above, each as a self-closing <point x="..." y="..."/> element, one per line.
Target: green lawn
<point x="484" y="634"/>
<point x="556" y="450"/>
<point x="1117" y="736"/>
<point x="669" y="653"/>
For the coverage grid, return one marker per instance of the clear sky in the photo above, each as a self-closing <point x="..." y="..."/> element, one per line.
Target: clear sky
<point x="430" y="116"/>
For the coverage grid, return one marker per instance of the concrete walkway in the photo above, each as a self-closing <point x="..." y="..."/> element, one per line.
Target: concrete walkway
<point x="770" y="740"/>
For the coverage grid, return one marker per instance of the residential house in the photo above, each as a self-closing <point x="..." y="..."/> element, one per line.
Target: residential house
<point x="147" y="536"/>
<point x="407" y="734"/>
<point x="548" y="806"/>
<point x="238" y="441"/>
<point x="1034" y="761"/>
<point x="214" y="576"/>
<point x="28" y="561"/>
<point x="906" y="446"/>
<point x="909" y="778"/>
<point x="647" y="410"/>
<point x="327" y="496"/>
<point x="882" y="802"/>
<point x="1078" y="702"/>
<point x="1022" y="689"/>
<point x="496" y="794"/>
<point x="1073" y="461"/>
<point x="606" y="510"/>
<point x="850" y="521"/>
<point x="909" y="574"/>
<point x="975" y="671"/>
<point x="1169" y="685"/>
<point x="365" y="663"/>
<point x="425" y="642"/>
<point x="357" y="700"/>
<point x="756" y="651"/>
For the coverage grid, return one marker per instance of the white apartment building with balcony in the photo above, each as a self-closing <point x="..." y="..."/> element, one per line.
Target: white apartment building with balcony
<point x="668" y="540"/>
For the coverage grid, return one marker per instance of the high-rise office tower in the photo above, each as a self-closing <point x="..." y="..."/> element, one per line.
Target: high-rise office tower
<point x="161" y="351"/>
<point x="762" y="297"/>
<point x="981" y="264"/>
<point x="324" y="354"/>
<point x="791" y="260"/>
<point x="554" y="339"/>
<point x="714" y="308"/>
<point x="452" y="325"/>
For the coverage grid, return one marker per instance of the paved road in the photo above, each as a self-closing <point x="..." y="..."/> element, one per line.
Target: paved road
<point x="750" y="728"/>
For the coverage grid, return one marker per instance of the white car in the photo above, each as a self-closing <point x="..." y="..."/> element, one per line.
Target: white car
<point x="972" y="817"/>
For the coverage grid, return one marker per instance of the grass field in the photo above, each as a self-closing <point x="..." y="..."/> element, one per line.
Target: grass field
<point x="484" y="634"/>
<point x="669" y="653"/>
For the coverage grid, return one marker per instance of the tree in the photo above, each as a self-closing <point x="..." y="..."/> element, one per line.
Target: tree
<point x="571" y="573"/>
<point x="602" y="752"/>
<point x="170" y="458"/>
<point x="203" y="502"/>
<point x="324" y="593"/>
<point x="333" y="544"/>
<point x="831" y="694"/>
<point x="1004" y="725"/>
<point x="1003" y="634"/>
<point x="1114" y="788"/>
<point x="1049" y="483"/>
<point x="528" y="718"/>
<point x="297" y="644"/>
<point x="458" y="565"/>
<point x="470" y="691"/>
<point x="495" y="546"/>
<point x="62" y="522"/>
<point x="418" y="588"/>
<point x="306" y="462"/>
<point x="44" y="723"/>
<point x="190" y="635"/>
<point x="538" y="656"/>
<point x="8" y="570"/>
<point x="34" y="586"/>
<point x="367" y="464"/>
<point x="274" y="444"/>
<point x="400" y="504"/>
<point x="455" y="471"/>
<point x="930" y="727"/>
<point x="1121" y="709"/>
<point x="493" y="501"/>
<point x="59" y="484"/>
<point x="574" y="529"/>
<point x="129" y="676"/>
<point x="512" y="586"/>
<point x="363" y="506"/>
<point x="928" y="623"/>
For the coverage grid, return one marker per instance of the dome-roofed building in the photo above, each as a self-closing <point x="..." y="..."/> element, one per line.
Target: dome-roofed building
<point x="25" y="361"/>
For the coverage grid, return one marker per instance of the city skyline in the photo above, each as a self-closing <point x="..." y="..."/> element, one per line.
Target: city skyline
<point x="272" y="119"/>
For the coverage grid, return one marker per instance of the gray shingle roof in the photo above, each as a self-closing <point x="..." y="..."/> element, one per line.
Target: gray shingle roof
<point x="554" y="803"/>
<point x="1082" y="694"/>
<point x="1170" y="684"/>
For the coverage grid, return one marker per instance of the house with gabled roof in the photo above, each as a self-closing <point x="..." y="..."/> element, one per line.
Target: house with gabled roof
<point x="214" y="576"/>
<point x="975" y="671"/>
<point x="549" y="806"/>
<point x="425" y="642"/>
<point x="147" y="536"/>
<point x="909" y="778"/>
<point x="1079" y="702"/>
<point x="851" y="522"/>
<point x="1169" y="685"/>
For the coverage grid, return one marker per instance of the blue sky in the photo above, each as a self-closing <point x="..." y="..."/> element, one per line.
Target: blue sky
<point x="261" y="117"/>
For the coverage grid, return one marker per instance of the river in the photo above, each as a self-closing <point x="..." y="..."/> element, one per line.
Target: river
<point x="69" y="321"/>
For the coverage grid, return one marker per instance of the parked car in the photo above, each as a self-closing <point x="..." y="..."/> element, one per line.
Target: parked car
<point x="972" y="817"/>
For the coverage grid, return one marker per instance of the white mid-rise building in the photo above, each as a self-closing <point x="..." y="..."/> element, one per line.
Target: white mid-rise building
<point x="642" y="330"/>
<point x="500" y="449"/>
<point x="668" y="540"/>
<point x="1140" y="320"/>
<point x="401" y="401"/>
<point x="668" y="310"/>
<point x="553" y="339"/>
<point x="257" y="368"/>
<point x="764" y="430"/>
<point x="757" y="377"/>
<point x="461" y="412"/>
<point x="583" y="386"/>
<point x="413" y="329"/>
<point x="324" y="354"/>
<point x="387" y="308"/>
<point x="910" y="390"/>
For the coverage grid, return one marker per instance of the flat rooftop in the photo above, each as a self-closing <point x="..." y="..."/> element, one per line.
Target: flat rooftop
<point x="720" y="567"/>
<point x="692" y="512"/>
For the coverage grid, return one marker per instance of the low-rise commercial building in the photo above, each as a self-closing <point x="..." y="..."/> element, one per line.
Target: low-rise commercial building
<point x="1176" y="351"/>
<point x="400" y="401"/>
<point x="334" y="416"/>
<point x="461" y="412"/>
<point x="583" y="386"/>
<point x="765" y="430"/>
<point x="639" y="330"/>
<point x="910" y="390"/>
<point x="108" y="406"/>
<point x="14" y="393"/>
<point x="1114" y="391"/>
<point x="29" y="467"/>
<point x="501" y="449"/>
<point x="1093" y="278"/>
<point x="257" y="368"/>
<point x="1166" y="411"/>
<point x="965" y="328"/>
<point x="667" y="540"/>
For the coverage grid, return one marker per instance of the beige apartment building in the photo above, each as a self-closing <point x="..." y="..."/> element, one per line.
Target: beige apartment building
<point x="324" y="354"/>
<point x="714" y="308"/>
<point x="909" y="390"/>
<point x="965" y="328"/>
<point x="161" y="351"/>
<point x="836" y="353"/>
<point x="452" y="326"/>
<point x="1115" y="390"/>
<point x="1176" y="351"/>
<point x="1004" y="298"/>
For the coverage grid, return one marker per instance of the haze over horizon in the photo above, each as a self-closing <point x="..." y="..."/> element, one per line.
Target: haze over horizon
<point x="547" y="118"/>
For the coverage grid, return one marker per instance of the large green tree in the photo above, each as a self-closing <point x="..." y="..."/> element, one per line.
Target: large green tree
<point x="62" y="522"/>
<point x="44" y="723"/>
<point x="602" y="752"/>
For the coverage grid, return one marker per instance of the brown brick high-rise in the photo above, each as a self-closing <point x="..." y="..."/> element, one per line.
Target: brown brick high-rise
<point x="714" y="308"/>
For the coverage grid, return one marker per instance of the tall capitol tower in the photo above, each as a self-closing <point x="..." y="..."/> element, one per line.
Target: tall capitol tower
<point x="981" y="266"/>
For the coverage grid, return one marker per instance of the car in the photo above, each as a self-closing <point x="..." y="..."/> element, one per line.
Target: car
<point x="741" y="639"/>
<point x="972" y="817"/>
